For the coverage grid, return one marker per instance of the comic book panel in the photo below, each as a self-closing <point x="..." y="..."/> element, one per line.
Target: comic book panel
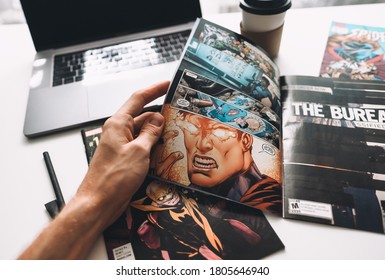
<point x="212" y="156"/>
<point x="197" y="94"/>
<point x="168" y="222"/>
<point x="225" y="57"/>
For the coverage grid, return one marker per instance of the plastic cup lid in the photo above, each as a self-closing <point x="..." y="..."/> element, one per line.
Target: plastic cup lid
<point x="265" y="7"/>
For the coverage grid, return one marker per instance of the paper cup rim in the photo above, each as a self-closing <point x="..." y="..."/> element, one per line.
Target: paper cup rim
<point x="266" y="7"/>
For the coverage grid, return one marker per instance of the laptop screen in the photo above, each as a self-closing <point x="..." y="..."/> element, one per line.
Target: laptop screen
<point x="59" y="23"/>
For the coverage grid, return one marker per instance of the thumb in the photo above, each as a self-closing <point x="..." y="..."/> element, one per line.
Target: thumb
<point x="151" y="131"/>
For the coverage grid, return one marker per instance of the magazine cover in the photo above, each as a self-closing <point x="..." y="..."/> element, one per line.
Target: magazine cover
<point x="222" y="130"/>
<point x="168" y="222"/>
<point x="91" y="138"/>
<point x="354" y="52"/>
<point x="334" y="158"/>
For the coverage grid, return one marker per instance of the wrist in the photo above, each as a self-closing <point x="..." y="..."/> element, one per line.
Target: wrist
<point x="101" y="207"/>
<point x="70" y="235"/>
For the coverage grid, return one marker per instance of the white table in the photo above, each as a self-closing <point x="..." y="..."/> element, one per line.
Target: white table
<point x="25" y="186"/>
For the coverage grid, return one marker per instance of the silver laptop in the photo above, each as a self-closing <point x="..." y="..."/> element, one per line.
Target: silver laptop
<point x="91" y="55"/>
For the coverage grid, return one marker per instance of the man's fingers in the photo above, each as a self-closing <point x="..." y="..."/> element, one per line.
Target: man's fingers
<point x="135" y="104"/>
<point x="140" y="120"/>
<point x="150" y="131"/>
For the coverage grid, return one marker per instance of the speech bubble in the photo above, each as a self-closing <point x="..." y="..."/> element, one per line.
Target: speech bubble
<point x="268" y="149"/>
<point x="183" y="103"/>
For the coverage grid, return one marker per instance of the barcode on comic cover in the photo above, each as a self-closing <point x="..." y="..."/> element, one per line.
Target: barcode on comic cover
<point x="310" y="208"/>
<point x="124" y="252"/>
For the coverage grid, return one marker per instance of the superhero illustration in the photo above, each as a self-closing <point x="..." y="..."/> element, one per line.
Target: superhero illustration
<point x="228" y="43"/>
<point x="208" y="155"/>
<point x="195" y="87"/>
<point x="232" y="108"/>
<point x="225" y="112"/>
<point x="259" y="89"/>
<point x="169" y="222"/>
<point x="224" y="58"/>
<point x="354" y="52"/>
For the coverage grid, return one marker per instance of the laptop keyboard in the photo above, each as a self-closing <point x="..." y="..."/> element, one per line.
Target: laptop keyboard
<point x="93" y="63"/>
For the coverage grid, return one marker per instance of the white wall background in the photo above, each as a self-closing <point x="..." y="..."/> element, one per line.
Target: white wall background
<point x="223" y="6"/>
<point x="10" y="12"/>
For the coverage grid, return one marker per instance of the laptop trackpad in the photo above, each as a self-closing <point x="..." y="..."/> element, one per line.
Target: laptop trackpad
<point x="107" y="97"/>
<point x="50" y="109"/>
<point x="104" y="99"/>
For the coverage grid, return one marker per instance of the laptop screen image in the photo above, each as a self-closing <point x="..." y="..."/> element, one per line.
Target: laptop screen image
<point x="60" y="23"/>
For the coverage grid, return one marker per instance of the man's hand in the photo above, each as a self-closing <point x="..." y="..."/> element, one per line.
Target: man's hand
<point x="116" y="171"/>
<point x="122" y="158"/>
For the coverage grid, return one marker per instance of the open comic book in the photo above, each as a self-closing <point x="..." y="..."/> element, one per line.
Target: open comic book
<point x="222" y="130"/>
<point x="354" y="52"/>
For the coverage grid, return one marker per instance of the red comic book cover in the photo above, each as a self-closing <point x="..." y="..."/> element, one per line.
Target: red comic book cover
<point x="354" y="52"/>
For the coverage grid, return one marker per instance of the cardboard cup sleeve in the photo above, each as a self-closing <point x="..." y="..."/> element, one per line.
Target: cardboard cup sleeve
<point x="269" y="41"/>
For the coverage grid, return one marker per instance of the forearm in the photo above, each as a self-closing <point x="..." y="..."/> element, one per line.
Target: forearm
<point x="70" y="235"/>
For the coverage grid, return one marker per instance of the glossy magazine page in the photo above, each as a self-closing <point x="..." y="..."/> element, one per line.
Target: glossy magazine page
<point x="334" y="157"/>
<point x="169" y="222"/>
<point x="223" y="118"/>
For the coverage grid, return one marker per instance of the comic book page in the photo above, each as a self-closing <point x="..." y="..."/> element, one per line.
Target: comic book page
<point x="223" y="118"/>
<point x="354" y="52"/>
<point x="333" y="135"/>
<point x="168" y="222"/>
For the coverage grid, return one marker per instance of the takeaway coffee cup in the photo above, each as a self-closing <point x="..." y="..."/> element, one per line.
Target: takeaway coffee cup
<point x="262" y="22"/>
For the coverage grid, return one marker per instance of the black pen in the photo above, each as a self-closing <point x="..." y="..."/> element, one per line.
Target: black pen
<point x="54" y="206"/>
